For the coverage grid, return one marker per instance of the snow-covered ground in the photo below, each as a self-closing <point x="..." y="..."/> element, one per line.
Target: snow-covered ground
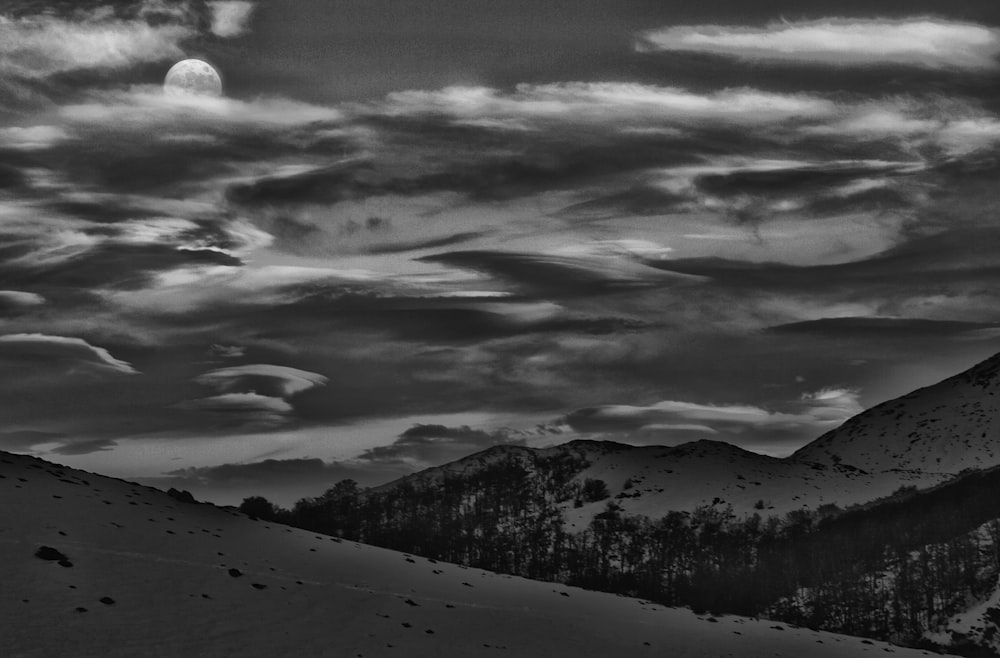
<point x="713" y="473"/>
<point x="944" y="428"/>
<point x="147" y="575"/>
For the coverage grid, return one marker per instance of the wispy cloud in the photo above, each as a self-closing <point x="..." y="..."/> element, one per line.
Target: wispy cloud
<point x="17" y="298"/>
<point x="243" y="410"/>
<point x="924" y="42"/>
<point x="253" y="395"/>
<point x="277" y="381"/>
<point x="143" y="107"/>
<point x="812" y="414"/>
<point x="230" y="18"/>
<point x="74" y="352"/>
<point x="43" y="45"/>
<point x="608" y="102"/>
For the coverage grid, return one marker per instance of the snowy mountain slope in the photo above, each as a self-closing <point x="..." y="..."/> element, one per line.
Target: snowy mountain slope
<point x="93" y="566"/>
<point x="651" y="480"/>
<point x="944" y="428"/>
<point x="920" y="439"/>
<point x="714" y="473"/>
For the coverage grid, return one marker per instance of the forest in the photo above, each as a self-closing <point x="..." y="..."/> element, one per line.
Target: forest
<point x="891" y="570"/>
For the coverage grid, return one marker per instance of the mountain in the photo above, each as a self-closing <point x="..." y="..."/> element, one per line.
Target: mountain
<point x="921" y="439"/>
<point x="652" y="480"/>
<point x="97" y="567"/>
<point x="945" y="428"/>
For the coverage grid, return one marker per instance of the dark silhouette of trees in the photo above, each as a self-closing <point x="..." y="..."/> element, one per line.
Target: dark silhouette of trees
<point x="259" y="507"/>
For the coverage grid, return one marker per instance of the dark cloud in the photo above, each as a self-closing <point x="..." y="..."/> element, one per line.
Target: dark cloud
<point x="958" y="255"/>
<point x="84" y="447"/>
<point x="558" y="275"/>
<point x="438" y="444"/>
<point x="433" y="243"/>
<point x="516" y="167"/>
<point x="25" y="440"/>
<point x="759" y="191"/>
<point x="239" y="411"/>
<point x="113" y="265"/>
<point x="327" y="185"/>
<point x="451" y="321"/>
<point x="11" y="177"/>
<point x="888" y="328"/>
<point x="262" y="471"/>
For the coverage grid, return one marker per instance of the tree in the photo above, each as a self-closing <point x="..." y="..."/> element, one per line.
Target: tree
<point x="259" y="507"/>
<point x="594" y="490"/>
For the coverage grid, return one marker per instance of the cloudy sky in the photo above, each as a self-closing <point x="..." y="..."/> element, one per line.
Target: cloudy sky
<point x="409" y="231"/>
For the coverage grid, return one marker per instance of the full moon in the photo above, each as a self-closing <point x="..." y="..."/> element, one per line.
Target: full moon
<point x="193" y="77"/>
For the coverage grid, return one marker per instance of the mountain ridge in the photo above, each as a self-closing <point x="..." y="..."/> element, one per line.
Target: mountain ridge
<point x="897" y="443"/>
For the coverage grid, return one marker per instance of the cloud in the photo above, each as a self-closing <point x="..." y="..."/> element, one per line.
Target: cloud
<point x="141" y="141"/>
<point x="74" y="352"/>
<point x="962" y="255"/>
<point x="26" y="440"/>
<point x="230" y="18"/>
<point x="263" y="471"/>
<point x="31" y="138"/>
<point x="253" y="405"/>
<point x="883" y="327"/>
<point x="95" y="263"/>
<point x="809" y="416"/>
<point x="755" y="190"/>
<point x="254" y="395"/>
<point x="144" y="107"/>
<point x="113" y="37"/>
<point x="588" y="102"/>
<point x="270" y="380"/>
<point x="553" y="274"/>
<point x="227" y="351"/>
<point x="84" y="447"/>
<point x="923" y="42"/>
<point x="241" y="410"/>
<point x="19" y="299"/>
<point x="437" y="444"/>
<point x="42" y="45"/>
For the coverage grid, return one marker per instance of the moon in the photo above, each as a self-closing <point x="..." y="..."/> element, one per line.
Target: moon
<point x="193" y="77"/>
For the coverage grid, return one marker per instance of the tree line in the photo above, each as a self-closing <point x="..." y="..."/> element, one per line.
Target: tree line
<point x="891" y="570"/>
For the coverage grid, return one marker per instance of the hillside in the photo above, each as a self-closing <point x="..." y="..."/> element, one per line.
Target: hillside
<point x="651" y="480"/>
<point x="93" y="566"/>
<point x="944" y="428"/>
<point x="921" y="439"/>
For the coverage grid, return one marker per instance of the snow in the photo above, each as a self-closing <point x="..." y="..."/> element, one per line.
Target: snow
<point x="699" y="474"/>
<point x="162" y="568"/>
<point x="944" y="428"/>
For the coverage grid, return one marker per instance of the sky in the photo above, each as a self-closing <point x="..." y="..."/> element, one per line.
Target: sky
<point x="407" y="232"/>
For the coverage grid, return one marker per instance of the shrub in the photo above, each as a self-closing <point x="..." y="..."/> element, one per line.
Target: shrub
<point x="594" y="490"/>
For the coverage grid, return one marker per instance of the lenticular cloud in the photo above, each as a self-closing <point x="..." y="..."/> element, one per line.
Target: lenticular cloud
<point x="923" y="42"/>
